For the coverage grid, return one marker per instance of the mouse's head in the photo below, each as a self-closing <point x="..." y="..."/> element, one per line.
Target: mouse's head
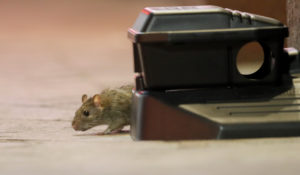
<point x="89" y="114"/>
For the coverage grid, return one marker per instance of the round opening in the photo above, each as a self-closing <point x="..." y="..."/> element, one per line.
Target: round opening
<point x="250" y="58"/>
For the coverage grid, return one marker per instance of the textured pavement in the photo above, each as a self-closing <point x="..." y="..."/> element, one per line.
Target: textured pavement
<point x="51" y="52"/>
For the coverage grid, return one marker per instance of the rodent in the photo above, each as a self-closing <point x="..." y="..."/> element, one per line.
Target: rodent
<point x="111" y="107"/>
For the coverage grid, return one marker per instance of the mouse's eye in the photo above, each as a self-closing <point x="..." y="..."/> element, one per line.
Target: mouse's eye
<point x="86" y="113"/>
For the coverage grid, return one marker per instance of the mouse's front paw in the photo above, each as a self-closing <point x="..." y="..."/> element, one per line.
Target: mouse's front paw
<point x="107" y="131"/>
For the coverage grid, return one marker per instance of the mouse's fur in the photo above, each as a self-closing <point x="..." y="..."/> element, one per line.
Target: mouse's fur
<point x="112" y="107"/>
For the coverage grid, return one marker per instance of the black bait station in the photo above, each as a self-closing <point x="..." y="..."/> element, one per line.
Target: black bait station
<point x="189" y="84"/>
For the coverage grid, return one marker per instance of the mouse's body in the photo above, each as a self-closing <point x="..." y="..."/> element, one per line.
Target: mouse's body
<point x="112" y="107"/>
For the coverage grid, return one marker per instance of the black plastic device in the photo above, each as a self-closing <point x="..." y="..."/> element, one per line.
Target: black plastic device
<point x="188" y="55"/>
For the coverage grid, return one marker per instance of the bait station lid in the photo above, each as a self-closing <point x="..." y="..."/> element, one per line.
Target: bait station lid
<point x="188" y="56"/>
<point x="196" y="46"/>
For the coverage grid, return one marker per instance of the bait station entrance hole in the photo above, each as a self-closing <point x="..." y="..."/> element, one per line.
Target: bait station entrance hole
<point x="255" y="60"/>
<point x="250" y="58"/>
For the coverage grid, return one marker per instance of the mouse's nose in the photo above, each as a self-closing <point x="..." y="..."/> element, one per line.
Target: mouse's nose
<point x="75" y="126"/>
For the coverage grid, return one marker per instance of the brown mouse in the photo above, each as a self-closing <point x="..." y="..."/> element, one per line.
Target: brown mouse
<point x="111" y="107"/>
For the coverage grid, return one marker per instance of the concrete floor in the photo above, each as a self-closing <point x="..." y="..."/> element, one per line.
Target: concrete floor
<point x="51" y="52"/>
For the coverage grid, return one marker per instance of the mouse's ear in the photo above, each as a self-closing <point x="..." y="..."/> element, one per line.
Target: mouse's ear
<point x="97" y="100"/>
<point x="84" y="98"/>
